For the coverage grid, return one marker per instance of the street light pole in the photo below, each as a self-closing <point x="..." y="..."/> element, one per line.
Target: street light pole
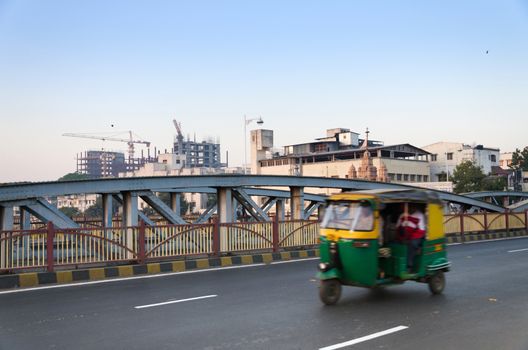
<point x="246" y="122"/>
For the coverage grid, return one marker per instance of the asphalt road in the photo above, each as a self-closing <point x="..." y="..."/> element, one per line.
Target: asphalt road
<point x="484" y="306"/>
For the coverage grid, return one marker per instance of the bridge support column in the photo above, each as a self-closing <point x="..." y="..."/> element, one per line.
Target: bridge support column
<point x="224" y="198"/>
<point x="25" y="219"/>
<point x="297" y="203"/>
<point x="6" y="223"/>
<point x="175" y="203"/>
<point x="130" y="219"/>
<point x="225" y="204"/>
<point x="107" y="210"/>
<point x="235" y="209"/>
<point x="279" y="209"/>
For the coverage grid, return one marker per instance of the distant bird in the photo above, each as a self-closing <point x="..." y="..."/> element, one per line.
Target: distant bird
<point x="487" y="52"/>
<point x="112" y="125"/>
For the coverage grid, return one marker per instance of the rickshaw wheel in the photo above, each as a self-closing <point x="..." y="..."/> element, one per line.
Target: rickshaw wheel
<point x="330" y="291"/>
<point x="437" y="282"/>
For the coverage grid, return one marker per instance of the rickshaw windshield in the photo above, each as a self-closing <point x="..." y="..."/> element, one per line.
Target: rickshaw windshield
<point x="353" y="216"/>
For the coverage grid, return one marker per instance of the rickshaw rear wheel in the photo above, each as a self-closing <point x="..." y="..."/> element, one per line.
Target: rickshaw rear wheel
<point x="330" y="291"/>
<point x="437" y="282"/>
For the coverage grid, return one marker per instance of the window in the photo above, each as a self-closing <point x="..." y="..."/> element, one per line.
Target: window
<point x="426" y="178"/>
<point x="348" y="216"/>
<point x="434" y="157"/>
<point x="450" y="156"/>
<point x="398" y="177"/>
<point x="419" y="178"/>
<point x="413" y="178"/>
<point x="392" y="176"/>
<point x="405" y="177"/>
<point x="493" y="158"/>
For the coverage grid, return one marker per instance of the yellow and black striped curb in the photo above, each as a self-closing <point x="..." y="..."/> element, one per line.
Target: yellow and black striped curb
<point x="34" y="279"/>
<point x="472" y="237"/>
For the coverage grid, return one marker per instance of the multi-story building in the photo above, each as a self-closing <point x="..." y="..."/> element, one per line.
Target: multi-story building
<point x="445" y="156"/>
<point x="341" y="154"/>
<point x="198" y="154"/>
<point x="101" y="163"/>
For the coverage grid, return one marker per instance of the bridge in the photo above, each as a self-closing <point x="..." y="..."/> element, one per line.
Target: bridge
<point x="60" y="242"/>
<point x="231" y="191"/>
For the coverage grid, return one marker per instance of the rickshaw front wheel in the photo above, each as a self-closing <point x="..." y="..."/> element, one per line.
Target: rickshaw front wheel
<point x="330" y="291"/>
<point x="437" y="282"/>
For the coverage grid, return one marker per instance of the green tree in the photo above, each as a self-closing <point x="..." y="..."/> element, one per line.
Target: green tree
<point x="74" y="176"/>
<point x="467" y="177"/>
<point x="493" y="183"/>
<point x="520" y="159"/>
<point x="95" y="210"/>
<point x="70" y="211"/>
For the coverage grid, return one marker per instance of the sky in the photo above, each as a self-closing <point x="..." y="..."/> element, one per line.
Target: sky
<point x="415" y="72"/>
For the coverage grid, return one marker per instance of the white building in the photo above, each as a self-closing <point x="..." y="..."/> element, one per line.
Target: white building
<point x="505" y="160"/>
<point x="445" y="156"/>
<point x="79" y="201"/>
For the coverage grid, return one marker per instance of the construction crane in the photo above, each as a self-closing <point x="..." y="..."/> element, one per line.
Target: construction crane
<point x="130" y="141"/>
<point x="179" y="137"/>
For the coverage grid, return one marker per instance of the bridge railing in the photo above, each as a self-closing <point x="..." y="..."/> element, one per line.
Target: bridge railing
<point x="52" y="247"/>
<point x="485" y="222"/>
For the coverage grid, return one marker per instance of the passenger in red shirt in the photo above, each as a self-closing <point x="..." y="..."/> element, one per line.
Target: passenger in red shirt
<point x="411" y="227"/>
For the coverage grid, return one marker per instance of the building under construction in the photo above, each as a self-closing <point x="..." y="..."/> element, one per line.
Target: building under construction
<point x="196" y="154"/>
<point x="98" y="164"/>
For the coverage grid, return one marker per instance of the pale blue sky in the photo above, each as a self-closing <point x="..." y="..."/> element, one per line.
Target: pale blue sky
<point x="412" y="71"/>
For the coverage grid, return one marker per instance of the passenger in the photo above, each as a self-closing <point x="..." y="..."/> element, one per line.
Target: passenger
<point x="411" y="227"/>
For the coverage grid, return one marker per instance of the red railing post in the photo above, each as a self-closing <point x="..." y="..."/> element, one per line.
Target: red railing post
<point x="141" y="242"/>
<point x="485" y="222"/>
<point x="216" y="237"/>
<point x="275" y="233"/>
<point x="507" y="219"/>
<point x="526" y="221"/>
<point x="50" y="237"/>
<point x="462" y="225"/>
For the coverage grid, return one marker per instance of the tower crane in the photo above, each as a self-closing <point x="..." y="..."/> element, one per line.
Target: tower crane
<point x="130" y="141"/>
<point x="179" y="137"/>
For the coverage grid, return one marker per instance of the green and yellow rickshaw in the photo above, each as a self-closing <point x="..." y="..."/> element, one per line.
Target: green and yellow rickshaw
<point x="363" y="243"/>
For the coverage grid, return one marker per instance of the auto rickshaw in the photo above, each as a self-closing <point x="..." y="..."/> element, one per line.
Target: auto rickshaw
<point x="362" y="245"/>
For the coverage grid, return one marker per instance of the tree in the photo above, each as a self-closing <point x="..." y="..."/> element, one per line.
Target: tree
<point x="96" y="210"/>
<point x="70" y="211"/>
<point x="493" y="183"/>
<point x="467" y="177"/>
<point x="74" y="176"/>
<point x="520" y="159"/>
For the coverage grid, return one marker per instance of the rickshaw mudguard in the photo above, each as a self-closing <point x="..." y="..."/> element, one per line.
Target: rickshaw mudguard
<point x="330" y="274"/>
<point x="439" y="264"/>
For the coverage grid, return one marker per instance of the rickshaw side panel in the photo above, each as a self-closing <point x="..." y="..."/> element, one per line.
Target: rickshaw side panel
<point x="435" y="222"/>
<point x="359" y="263"/>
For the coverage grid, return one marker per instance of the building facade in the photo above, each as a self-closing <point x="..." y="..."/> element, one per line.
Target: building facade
<point x="445" y="156"/>
<point x="341" y="154"/>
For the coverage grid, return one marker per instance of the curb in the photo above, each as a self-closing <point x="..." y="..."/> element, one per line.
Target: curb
<point x="473" y="237"/>
<point x="35" y="279"/>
